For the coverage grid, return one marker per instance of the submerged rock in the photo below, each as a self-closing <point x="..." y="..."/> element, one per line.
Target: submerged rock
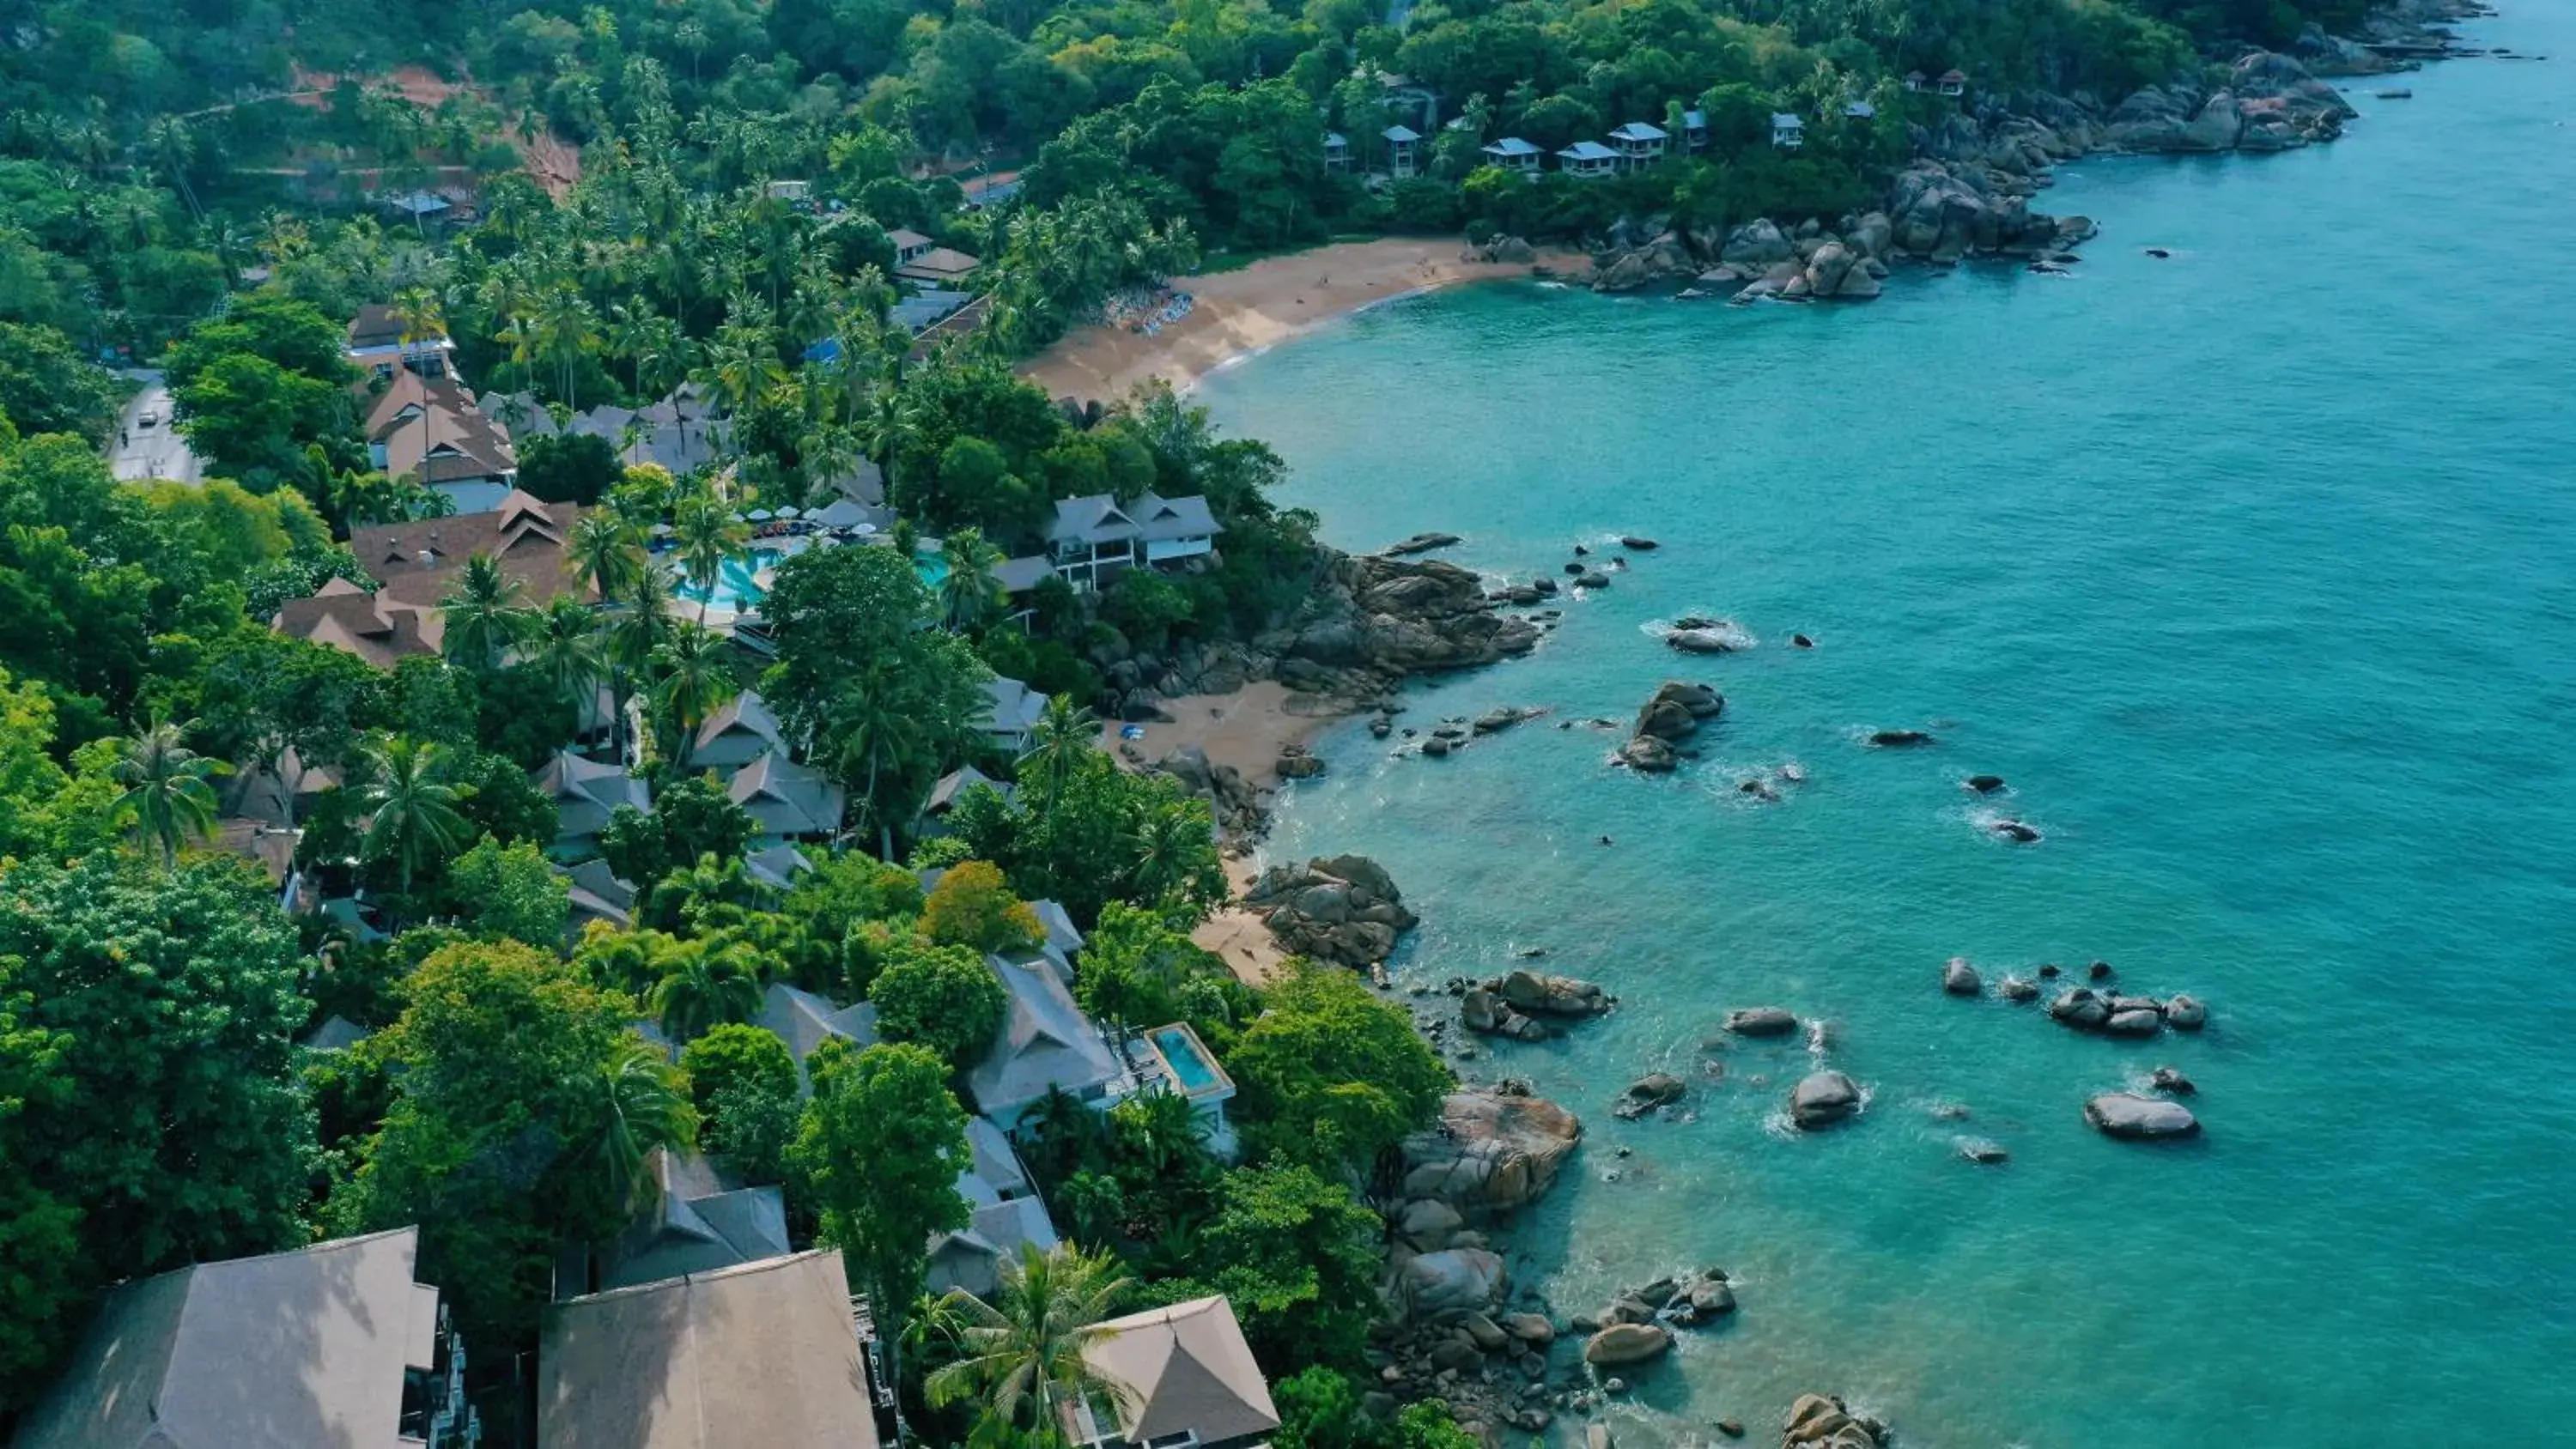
<point x="1899" y="739"/>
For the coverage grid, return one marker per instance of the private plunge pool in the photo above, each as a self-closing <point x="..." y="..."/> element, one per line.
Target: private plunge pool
<point x="1193" y="1069"/>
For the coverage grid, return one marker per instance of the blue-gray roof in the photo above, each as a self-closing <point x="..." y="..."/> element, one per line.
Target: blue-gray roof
<point x="1511" y="146"/>
<point x="1783" y="121"/>
<point x="1335" y="138"/>
<point x="1694" y="119"/>
<point x="1401" y="134"/>
<point x="1860" y="110"/>
<point x="1588" y="151"/>
<point x="1639" y="131"/>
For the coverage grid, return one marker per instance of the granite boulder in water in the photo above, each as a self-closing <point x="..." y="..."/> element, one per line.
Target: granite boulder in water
<point x="1823" y="1099"/>
<point x="2131" y="1117"/>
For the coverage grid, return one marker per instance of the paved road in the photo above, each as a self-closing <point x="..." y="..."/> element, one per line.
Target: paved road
<point x="153" y="450"/>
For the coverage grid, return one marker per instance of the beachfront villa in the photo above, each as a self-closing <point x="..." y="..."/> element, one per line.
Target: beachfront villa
<point x="1403" y="151"/>
<point x="1091" y="540"/>
<point x="1787" y="131"/>
<point x="1513" y="154"/>
<point x="331" y="1344"/>
<point x="1337" y="151"/>
<point x="1639" y="144"/>
<point x="1588" y="160"/>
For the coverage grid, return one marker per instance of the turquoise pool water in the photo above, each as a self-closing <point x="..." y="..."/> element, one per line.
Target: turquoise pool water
<point x="1189" y="1063"/>
<point x="737" y="584"/>
<point x="2250" y="569"/>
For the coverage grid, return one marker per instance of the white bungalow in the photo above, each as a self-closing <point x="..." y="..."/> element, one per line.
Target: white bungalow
<point x="1173" y="529"/>
<point x="1091" y="540"/>
<point x="1953" y="82"/>
<point x="1787" y="131"/>
<point x="1513" y="154"/>
<point x="1639" y="144"/>
<point x="1588" y="160"/>
<point x="1403" y="151"/>
<point x="1914" y="80"/>
<point x="1337" y="151"/>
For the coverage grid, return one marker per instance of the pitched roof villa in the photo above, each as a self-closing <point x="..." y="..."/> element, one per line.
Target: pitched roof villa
<point x="327" y="1347"/>
<point x="346" y="617"/>
<point x="766" y="1353"/>
<point x="1187" y="1371"/>
<point x="416" y="562"/>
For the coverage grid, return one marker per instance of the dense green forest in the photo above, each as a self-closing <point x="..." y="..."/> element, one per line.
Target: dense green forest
<point x="201" y="186"/>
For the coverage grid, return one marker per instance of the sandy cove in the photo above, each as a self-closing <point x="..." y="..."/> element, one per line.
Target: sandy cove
<point x="1247" y="730"/>
<point x="1261" y="305"/>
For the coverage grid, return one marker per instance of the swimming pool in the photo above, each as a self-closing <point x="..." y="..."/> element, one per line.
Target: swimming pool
<point x="1191" y="1065"/>
<point x="737" y="583"/>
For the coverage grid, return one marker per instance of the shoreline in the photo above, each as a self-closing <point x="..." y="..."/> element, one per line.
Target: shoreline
<point x="1247" y="730"/>
<point x="1244" y="312"/>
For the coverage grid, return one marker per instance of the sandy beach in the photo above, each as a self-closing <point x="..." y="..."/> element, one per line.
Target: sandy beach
<point x="1246" y="729"/>
<point x="1261" y="306"/>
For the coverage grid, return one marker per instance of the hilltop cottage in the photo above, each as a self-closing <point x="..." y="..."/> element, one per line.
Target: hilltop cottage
<point x="1588" y="160"/>
<point x="1403" y="151"/>
<point x="1514" y="155"/>
<point x="1787" y="131"/>
<point x="1639" y="144"/>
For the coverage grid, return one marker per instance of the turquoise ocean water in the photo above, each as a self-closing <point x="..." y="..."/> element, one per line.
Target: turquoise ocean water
<point x="2251" y="570"/>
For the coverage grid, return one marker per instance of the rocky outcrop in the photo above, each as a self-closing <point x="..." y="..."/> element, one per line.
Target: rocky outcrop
<point x="1446" y="1284"/>
<point x="2131" y="1117"/>
<point x="1647" y="1093"/>
<point x="1626" y="269"/>
<point x="1373" y="619"/>
<point x="1341" y="908"/>
<point x="1761" y="1021"/>
<point x="2085" y="1009"/>
<point x="1622" y="1344"/>
<point x="2270" y="102"/>
<point x="1419" y="543"/>
<point x="1960" y="979"/>
<point x="1493" y="1152"/>
<point x="1941" y="211"/>
<point x="1518" y="1004"/>
<point x="1818" y="1422"/>
<point x="1823" y="1099"/>
<point x="1694" y="634"/>
<point x="1234" y="802"/>
<point x="1674" y="713"/>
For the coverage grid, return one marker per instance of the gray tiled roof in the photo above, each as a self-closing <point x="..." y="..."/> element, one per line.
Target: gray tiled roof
<point x="1158" y="518"/>
<point x="1045" y="1043"/>
<point x="1094" y="518"/>
<point x="306" y="1348"/>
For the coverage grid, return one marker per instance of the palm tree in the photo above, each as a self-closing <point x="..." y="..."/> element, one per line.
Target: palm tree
<point x="969" y="593"/>
<point x="568" y="650"/>
<point x="1023" y="1352"/>
<point x="408" y="810"/>
<point x="604" y="553"/>
<point x="1062" y="736"/>
<point x="486" y="615"/>
<point x="641" y="1106"/>
<point x="166" y="799"/>
<point x="716" y="982"/>
<point x="1170" y="841"/>
<point x="641" y="626"/>
<point x="707" y="534"/>
<point x="567" y="332"/>
<point x="879" y="741"/>
<point x="697" y="680"/>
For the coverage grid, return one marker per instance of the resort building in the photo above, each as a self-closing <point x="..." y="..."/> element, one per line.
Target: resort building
<point x="953" y="786"/>
<point x="1860" y="111"/>
<point x="594" y="893"/>
<point x="1006" y="1216"/>
<point x="936" y="266"/>
<point x="376" y="342"/>
<point x="1694" y="130"/>
<point x="1512" y="154"/>
<point x="586" y="793"/>
<point x="1190" y="1380"/>
<point x="1403" y="151"/>
<point x="1953" y="82"/>
<point x="416" y="562"/>
<point x="1914" y="80"/>
<point x="1045" y="1044"/>
<point x="777" y="866"/>
<point x="696" y="1224"/>
<point x="1091" y="540"/>
<point x="769" y="1352"/>
<point x="909" y="244"/>
<point x="1337" y="151"/>
<point x="740" y="731"/>
<point x="1639" y="144"/>
<point x="349" y="618"/>
<point x="789" y="191"/>
<point x="1015" y="711"/>
<point x="1587" y="160"/>
<point x="787" y="801"/>
<point x="1787" y="131"/>
<point x="805" y="1021"/>
<point x="334" y="1344"/>
<point x="679" y="433"/>
<point x="428" y="430"/>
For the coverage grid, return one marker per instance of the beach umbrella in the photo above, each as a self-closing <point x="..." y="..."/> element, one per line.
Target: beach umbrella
<point x="791" y="511"/>
<point x="759" y="515"/>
